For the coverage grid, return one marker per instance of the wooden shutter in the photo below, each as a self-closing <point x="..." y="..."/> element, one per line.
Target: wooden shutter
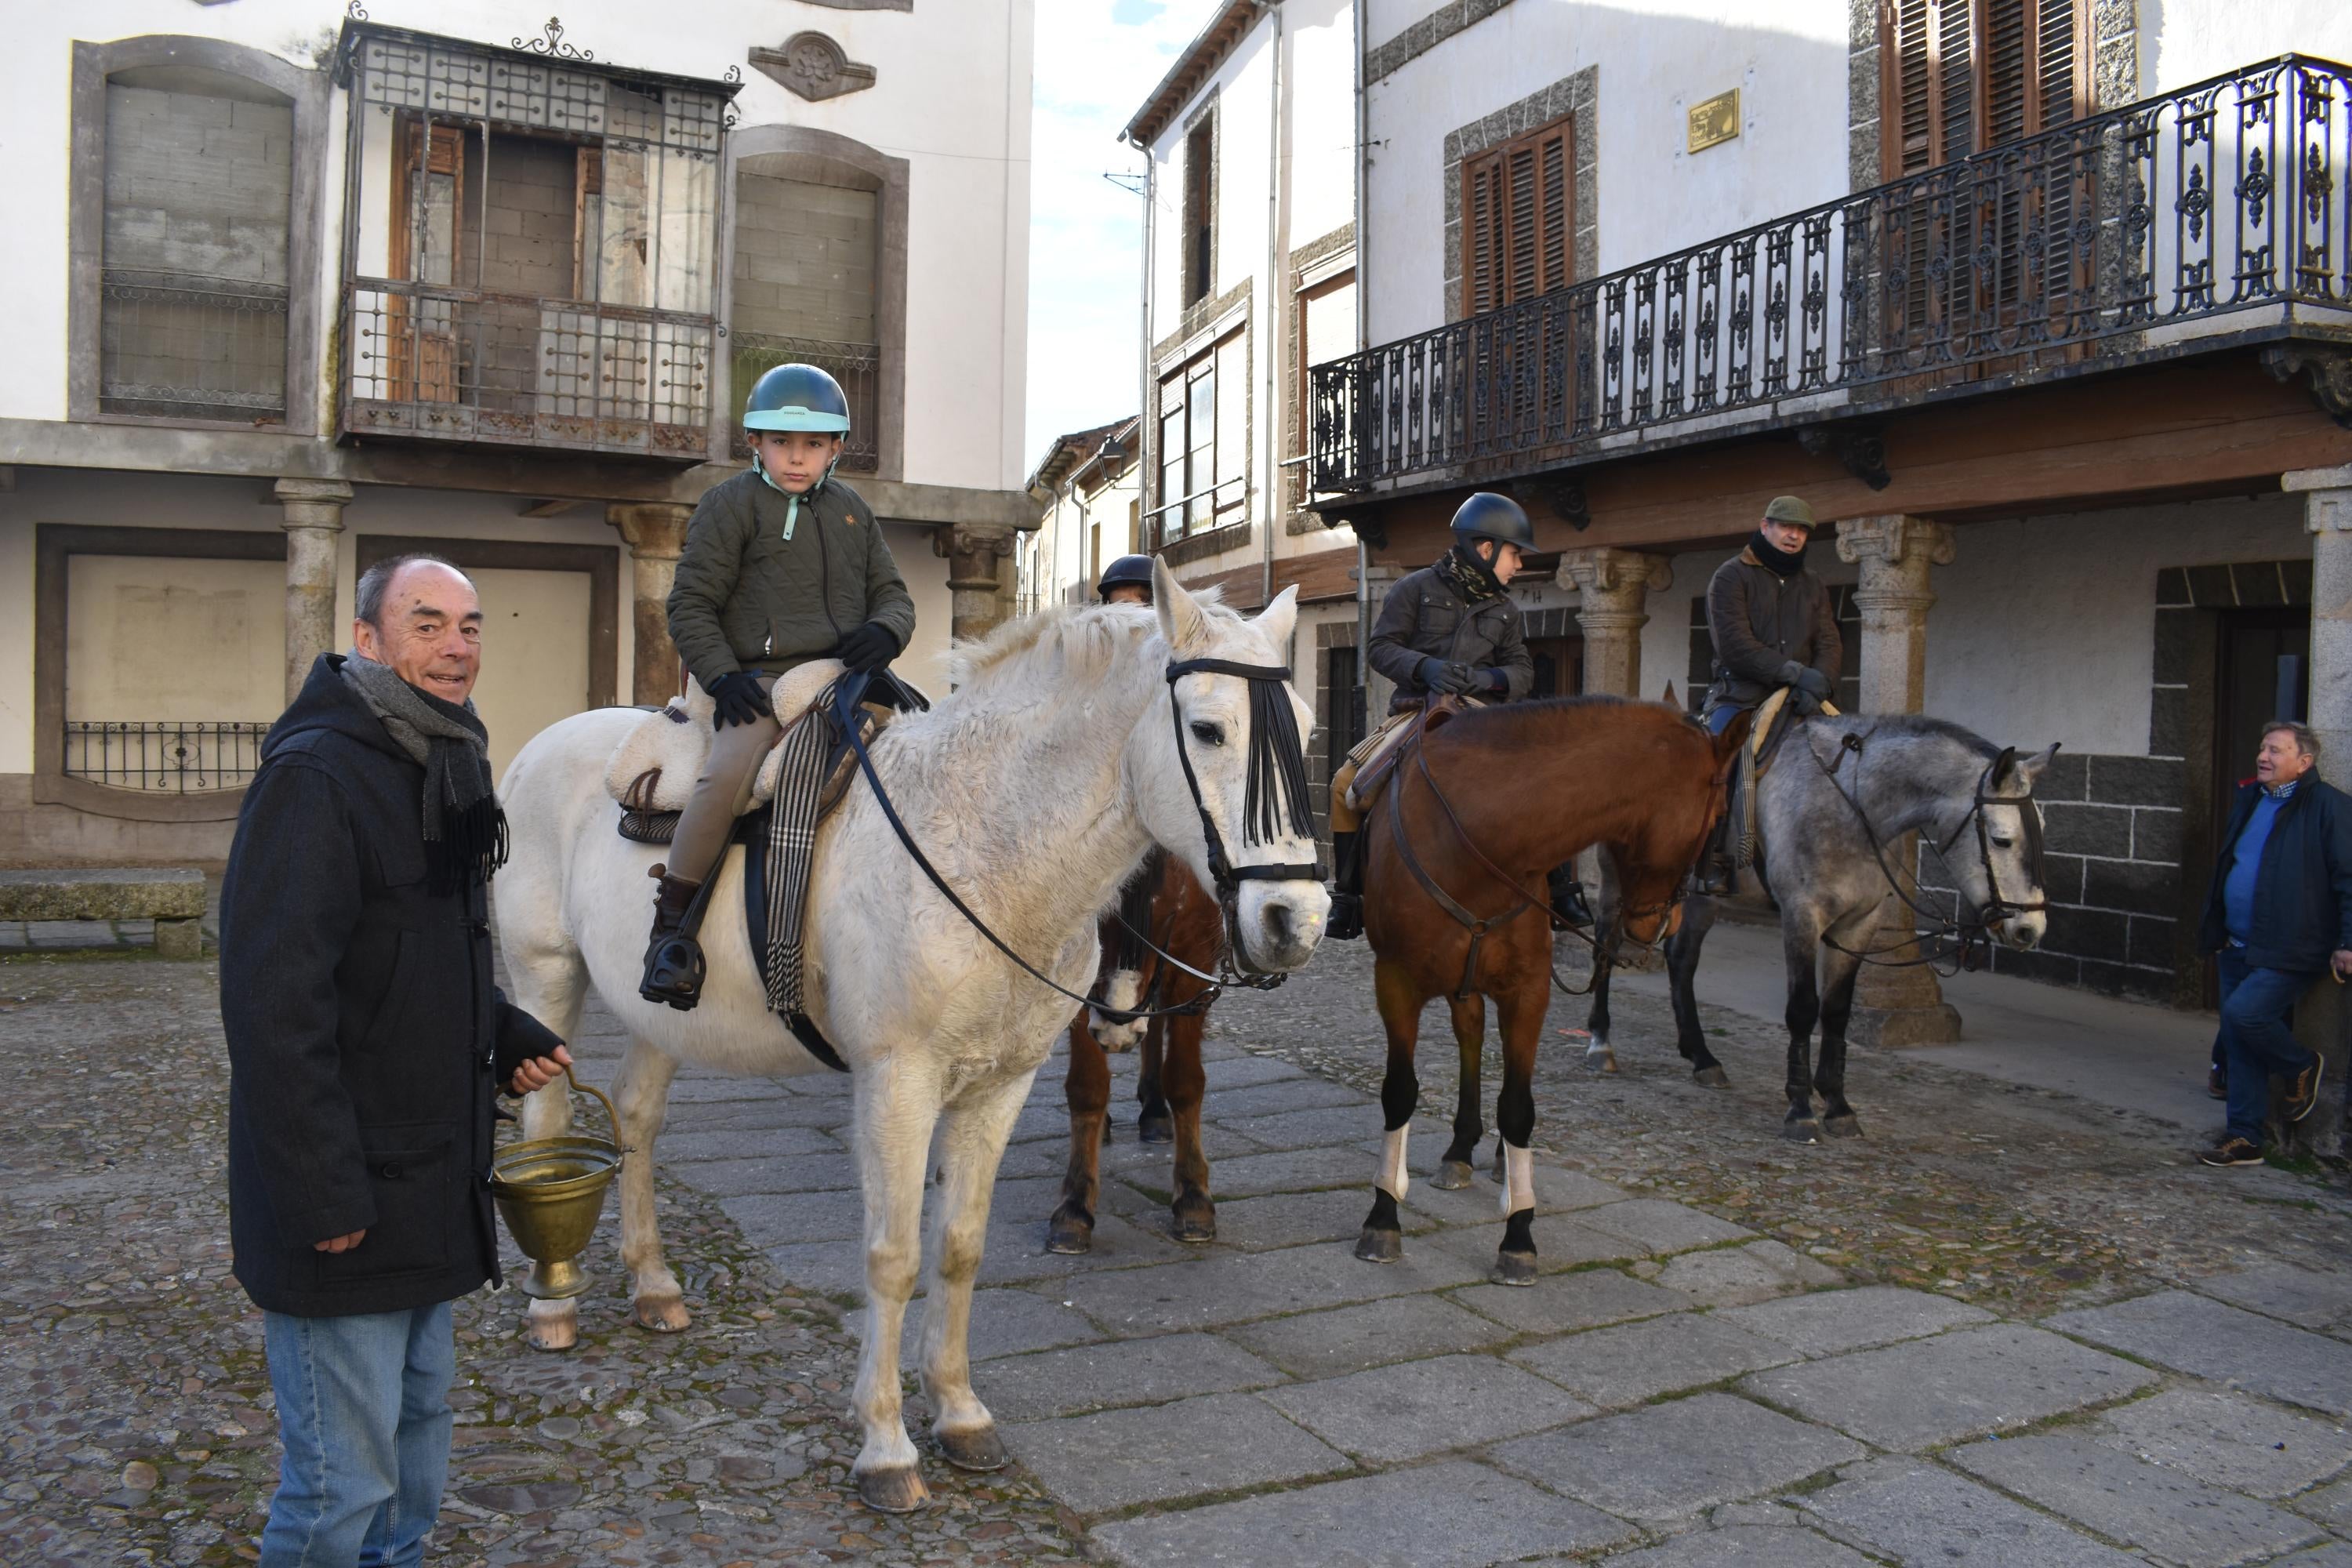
<point x="1961" y="76"/>
<point x="1517" y="208"/>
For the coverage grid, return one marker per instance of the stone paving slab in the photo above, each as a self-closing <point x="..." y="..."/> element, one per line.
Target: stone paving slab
<point x="1668" y="1461"/>
<point x="2225" y="1344"/>
<point x="1355" y="1126"/>
<point x="1634" y="1362"/>
<point x="1745" y="1546"/>
<point x="1234" y="1287"/>
<point x="1218" y="1443"/>
<point x="2301" y="1295"/>
<point x="2330" y="1505"/>
<point x="1457" y="1515"/>
<point x="1966" y="1383"/>
<point x="1562" y="1304"/>
<point x="1738" y="1275"/>
<point x="2229" y="1440"/>
<point x="784" y="1175"/>
<point x="1561" y="1244"/>
<point x="1557" y="1190"/>
<point x="1421" y="1407"/>
<point x="781" y="1219"/>
<point x="2335" y="1555"/>
<point x="1237" y="1168"/>
<point x="1831" y="1322"/>
<point x="1658" y="1225"/>
<point x="1295" y="1219"/>
<point x="1343" y="1340"/>
<point x="1016" y="1248"/>
<point x="1270" y="1098"/>
<point x="686" y="1148"/>
<point x="2160" y="1511"/>
<point x="1232" y="1071"/>
<point x="1917" y="1515"/>
<point x="1007" y="1322"/>
<point x="760" y="1106"/>
<point x="1112" y="1374"/>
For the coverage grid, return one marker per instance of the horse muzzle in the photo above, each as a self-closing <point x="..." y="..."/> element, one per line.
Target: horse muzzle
<point x="2024" y="929"/>
<point x="1274" y="926"/>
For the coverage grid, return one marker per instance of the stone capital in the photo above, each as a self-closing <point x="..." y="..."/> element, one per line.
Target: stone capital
<point x="2327" y="511"/>
<point x="313" y="504"/>
<point x="1906" y="543"/>
<point x="655" y="530"/>
<point x="1608" y="573"/>
<point x="972" y="552"/>
<point x="2295" y="479"/>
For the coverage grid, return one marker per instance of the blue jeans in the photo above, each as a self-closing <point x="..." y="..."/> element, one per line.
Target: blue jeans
<point x="364" y="1413"/>
<point x="2256" y="1041"/>
<point x="1719" y="720"/>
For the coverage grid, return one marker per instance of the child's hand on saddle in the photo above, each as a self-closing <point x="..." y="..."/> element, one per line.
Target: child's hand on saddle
<point x="539" y="1072"/>
<point x="739" y="699"/>
<point x="868" y="647"/>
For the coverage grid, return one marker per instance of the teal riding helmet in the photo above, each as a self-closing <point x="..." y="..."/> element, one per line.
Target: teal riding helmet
<point x="797" y="397"/>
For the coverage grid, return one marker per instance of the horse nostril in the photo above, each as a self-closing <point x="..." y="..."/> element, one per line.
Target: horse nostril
<point x="1279" y="923"/>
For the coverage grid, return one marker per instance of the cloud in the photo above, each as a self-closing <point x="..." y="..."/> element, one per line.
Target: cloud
<point x="1094" y="65"/>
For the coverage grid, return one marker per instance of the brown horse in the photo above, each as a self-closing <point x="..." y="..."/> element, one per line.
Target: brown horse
<point x="1184" y="921"/>
<point x="1457" y="846"/>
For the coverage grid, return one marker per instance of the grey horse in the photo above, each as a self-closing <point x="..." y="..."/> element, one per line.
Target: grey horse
<point x="1828" y="810"/>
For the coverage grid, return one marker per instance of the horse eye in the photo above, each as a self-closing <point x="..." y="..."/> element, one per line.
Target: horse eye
<point x="2003" y="843"/>
<point x="1208" y="734"/>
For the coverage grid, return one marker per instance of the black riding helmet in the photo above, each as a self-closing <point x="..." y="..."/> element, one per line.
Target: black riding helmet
<point x="1486" y="515"/>
<point x="1126" y="572"/>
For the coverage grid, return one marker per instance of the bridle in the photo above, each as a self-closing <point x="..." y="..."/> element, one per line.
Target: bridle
<point x="1275" y="791"/>
<point x="1974" y="934"/>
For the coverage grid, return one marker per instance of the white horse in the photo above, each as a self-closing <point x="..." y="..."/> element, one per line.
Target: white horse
<point x="1035" y="789"/>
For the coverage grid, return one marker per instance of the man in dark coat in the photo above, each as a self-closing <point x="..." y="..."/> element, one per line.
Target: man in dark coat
<point x="2279" y="916"/>
<point x="1772" y="625"/>
<point x="1448" y="629"/>
<point x="367" y="1043"/>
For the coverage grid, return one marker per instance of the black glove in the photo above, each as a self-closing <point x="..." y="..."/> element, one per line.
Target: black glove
<point x="869" y="646"/>
<point x="1447" y="676"/>
<point x="1803" y="701"/>
<point x="1812" y="683"/>
<point x="1498" y="681"/>
<point x="739" y="699"/>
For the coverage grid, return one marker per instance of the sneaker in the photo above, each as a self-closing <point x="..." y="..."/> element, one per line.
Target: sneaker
<point x="2231" y="1151"/>
<point x="2217" y="1083"/>
<point x="2303" y="1090"/>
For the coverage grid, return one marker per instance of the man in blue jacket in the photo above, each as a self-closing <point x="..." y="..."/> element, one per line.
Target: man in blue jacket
<point x="2278" y="914"/>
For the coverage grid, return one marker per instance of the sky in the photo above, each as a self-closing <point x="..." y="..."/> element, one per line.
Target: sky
<point x="1095" y="61"/>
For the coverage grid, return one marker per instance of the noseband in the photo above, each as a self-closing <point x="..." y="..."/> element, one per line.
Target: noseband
<point x="1274" y="799"/>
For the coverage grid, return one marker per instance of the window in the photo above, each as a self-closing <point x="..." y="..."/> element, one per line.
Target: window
<point x="198" y="190"/>
<point x="1200" y="258"/>
<point x="807" y="261"/>
<point x="1203" y="441"/>
<point x="1962" y="76"/>
<point x="1343" y="721"/>
<point x="1517" y="207"/>
<point x="1327" y="331"/>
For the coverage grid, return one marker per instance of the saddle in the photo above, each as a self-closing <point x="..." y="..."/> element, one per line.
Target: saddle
<point x="1765" y="737"/>
<point x="1377" y="755"/>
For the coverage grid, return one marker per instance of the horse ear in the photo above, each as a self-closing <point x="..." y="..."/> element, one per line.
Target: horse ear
<point x="1669" y="697"/>
<point x="2004" y="768"/>
<point x="1277" y="619"/>
<point x="1181" y="620"/>
<point x="2026" y="773"/>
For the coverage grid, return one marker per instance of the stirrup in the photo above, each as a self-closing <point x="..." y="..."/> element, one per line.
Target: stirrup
<point x="673" y="972"/>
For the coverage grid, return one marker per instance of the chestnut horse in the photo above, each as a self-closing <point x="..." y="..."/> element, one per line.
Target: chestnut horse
<point x="1167" y="905"/>
<point x="1457" y="844"/>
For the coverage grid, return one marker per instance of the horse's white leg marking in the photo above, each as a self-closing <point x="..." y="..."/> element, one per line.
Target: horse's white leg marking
<point x="641" y="1096"/>
<point x="1392" y="1179"/>
<point x="1520" y="1179"/>
<point x="972" y="1144"/>
<point x="897" y="1101"/>
<point x="1124" y="993"/>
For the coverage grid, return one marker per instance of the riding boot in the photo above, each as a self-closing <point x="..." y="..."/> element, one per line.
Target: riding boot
<point x="674" y="966"/>
<point x="1715" y="875"/>
<point x="1569" y="910"/>
<point x="1347" y="921"/>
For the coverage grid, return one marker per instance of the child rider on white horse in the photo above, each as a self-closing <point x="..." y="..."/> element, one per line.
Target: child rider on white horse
<point x="784" y="563"/>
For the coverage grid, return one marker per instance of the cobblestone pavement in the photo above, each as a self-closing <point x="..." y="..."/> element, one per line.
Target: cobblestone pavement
<point x="2008" y="1327"/>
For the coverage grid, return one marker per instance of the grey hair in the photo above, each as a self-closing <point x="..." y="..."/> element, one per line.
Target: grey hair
<point x="376" y="580"/>
<point x="2303" y="738"/>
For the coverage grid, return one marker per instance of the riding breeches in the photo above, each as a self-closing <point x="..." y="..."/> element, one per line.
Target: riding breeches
<point x="721" y="792"/>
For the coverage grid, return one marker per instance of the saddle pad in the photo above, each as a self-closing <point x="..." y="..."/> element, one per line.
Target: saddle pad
<point x="654" y="768"/>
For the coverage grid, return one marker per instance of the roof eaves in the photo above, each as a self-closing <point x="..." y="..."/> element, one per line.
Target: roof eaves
<point x="1200" y="59"/>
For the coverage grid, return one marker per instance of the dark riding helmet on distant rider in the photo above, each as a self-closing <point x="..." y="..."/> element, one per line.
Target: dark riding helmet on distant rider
<point x="797" y="397"/>
<point x="1126" y="572"/>
<point x="1486" y="515"/>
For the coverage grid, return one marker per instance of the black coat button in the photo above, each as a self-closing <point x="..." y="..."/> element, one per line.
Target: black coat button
<point x="390" y="1171"/>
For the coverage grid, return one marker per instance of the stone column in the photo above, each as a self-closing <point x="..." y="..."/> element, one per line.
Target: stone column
<point x="1616" y="585"/>
<point x="2324" y="1021"/>
<point x="656" y="533"/>
<point x="1896" y="1006"/>
<point x="975" y="557"/>
<point x="314" y="515"/>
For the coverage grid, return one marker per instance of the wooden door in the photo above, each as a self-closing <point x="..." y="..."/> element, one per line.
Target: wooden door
<point x="428" y="216"/>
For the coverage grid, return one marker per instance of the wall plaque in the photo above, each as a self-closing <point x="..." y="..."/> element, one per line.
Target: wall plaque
<point x="1714" y="120"/>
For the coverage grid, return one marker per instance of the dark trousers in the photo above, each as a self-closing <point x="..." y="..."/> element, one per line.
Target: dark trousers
<point x="2257" y="1005"/>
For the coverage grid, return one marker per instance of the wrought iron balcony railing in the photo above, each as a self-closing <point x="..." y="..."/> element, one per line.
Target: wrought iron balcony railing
<point x="165" y="756"/>
<point x="857" y="366"/>
<point x="512" y="369"/>
<point x="2100" y="243"/>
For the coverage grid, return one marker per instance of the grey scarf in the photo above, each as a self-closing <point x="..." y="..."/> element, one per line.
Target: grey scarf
<point x="465" y="831"/>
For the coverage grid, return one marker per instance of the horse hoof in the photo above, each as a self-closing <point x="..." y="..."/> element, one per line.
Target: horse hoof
<point x="1599" y="1059"/>
<point x="1452" y="1175"/>
<point x="663" y="1314"/>
<point x="1381" y="1245"/>
<point x="1069" y="1235"/>
<point x="1194" y="1225"/>
<point x="1801" y="1130"/>
<point x="1846" y="1126"/>
<point x="1159" y="1129"/>
<point x="977" y="1450"/>
<point x="899" y="1491"/>
<point x="1514" y="1269"/>
<point x="552" y="1333"/>
<point x="1712" y="1078"/>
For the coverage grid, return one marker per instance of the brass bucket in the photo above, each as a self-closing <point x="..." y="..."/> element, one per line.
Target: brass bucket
<point x="550" y="1191"/>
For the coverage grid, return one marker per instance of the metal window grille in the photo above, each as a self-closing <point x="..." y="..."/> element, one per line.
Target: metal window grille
<point x="857" y="366"/>
<point x="231" y="335"/>
<point x="165" y="756"/>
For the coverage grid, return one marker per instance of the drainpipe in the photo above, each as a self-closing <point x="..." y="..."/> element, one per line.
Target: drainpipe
<point x="1363" y="317"/>
<point x="1146" y="425"/>
<point x="1277" y="283"/>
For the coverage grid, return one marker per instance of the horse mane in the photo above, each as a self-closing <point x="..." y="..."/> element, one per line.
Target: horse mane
<point x="1924" y="727"/>
<point x="1084" y="636"/>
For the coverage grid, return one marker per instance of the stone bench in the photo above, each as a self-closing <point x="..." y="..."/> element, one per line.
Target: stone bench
<point x="173" y="900"/>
